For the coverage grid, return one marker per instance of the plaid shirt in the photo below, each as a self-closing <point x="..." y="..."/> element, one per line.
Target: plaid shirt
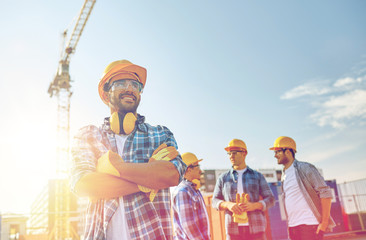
<point x="255" y="185"/>
<point x="190" y="214"/>
<point x="146" y="220"/>
<point x="313" y="187"/>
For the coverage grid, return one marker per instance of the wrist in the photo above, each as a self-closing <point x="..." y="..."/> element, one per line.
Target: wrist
<point x="259" y="205"/>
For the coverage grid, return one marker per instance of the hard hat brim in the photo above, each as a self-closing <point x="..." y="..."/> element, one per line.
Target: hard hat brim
<point x="231" y="148"/>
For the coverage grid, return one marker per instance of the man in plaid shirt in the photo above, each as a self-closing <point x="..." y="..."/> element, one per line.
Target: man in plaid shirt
<point x="190" y="214"/>
<point x="242" y="179"/>
<point x="114" y="163"/>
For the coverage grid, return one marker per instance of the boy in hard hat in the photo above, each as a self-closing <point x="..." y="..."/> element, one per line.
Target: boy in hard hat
<point x="190" y="214"/>
<point x="119" y="164"/>
<point x="243" y="180"/>
<point x="306" y="196"/>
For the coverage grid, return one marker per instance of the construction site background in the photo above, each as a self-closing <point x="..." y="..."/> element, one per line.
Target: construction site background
<point x="348" y="211"/>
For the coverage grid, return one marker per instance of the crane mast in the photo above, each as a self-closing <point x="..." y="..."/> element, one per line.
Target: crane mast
<point x="61" y="88"/>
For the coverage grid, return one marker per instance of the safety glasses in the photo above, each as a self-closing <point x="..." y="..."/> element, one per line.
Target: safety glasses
<point x="233" y="153"/>
<point x="124" y="83"/>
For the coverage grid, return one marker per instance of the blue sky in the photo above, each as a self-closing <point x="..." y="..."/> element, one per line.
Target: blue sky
<point x="216" y="71"/>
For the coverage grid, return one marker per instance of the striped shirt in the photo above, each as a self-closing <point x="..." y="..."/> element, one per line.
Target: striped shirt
<point x="146" y="220"/>
<point x="256" y="186"/>
<point x="190" y="215"/>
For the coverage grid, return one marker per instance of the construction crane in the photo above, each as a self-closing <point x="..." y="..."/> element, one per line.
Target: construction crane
<point x="61" y="88"/>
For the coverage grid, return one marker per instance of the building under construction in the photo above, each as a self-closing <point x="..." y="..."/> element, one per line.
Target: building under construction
<point x="45" y="213"/>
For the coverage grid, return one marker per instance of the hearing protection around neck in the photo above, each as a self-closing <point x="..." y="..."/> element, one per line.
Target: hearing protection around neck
<point x="122" y="123"/>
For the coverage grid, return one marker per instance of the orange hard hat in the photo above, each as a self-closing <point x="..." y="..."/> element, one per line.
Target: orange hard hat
<point x="117" y="70"/>
<point x="236" y="145"/>
<point x="284" y="142"/>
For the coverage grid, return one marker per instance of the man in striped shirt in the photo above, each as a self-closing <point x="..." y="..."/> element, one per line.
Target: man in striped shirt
<point x="190" y="214"/>
<point x="116" y="165"/>
<point x="306" y="196"/>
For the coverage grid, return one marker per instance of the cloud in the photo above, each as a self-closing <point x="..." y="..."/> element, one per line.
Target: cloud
<point x="348" y="81"/>
<point x="310" y="89"/>
<point x="338" y="103"/>
<point x="338" y="111"/>
<point x="325" y="154"/>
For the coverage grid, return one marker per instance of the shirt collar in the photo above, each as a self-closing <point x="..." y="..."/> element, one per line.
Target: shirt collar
<point x="234" y="173"/>
<point x="189" y="183"/>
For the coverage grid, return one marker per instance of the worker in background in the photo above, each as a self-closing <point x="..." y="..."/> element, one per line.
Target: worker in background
<point x="306" y="196"/>
<point x="126" y="166"/>
<point x="190" y="214"/>
<point x="238" y="192"/>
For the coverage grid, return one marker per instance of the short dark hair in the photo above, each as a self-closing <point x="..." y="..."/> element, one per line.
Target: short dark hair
<point x="292" y="151"/>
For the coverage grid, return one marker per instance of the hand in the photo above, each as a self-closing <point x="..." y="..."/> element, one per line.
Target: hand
<point x="108" y="163"/>
<point x="235" y="208"/>
<point x="162" y="153"/>
<point x="250" y="206"/>
<point x="321" y="227"/>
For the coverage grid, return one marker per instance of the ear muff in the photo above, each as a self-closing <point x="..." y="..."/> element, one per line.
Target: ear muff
<point x="122" y="123"/>
<point x="197" y="183"/>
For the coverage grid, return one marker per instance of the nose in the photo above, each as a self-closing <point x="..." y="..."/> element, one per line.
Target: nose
<point x="129" y="87"/>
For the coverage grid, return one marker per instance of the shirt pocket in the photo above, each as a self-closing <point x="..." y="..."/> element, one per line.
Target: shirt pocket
<point x="229" y="191"/>
<point x="253" y="189"/>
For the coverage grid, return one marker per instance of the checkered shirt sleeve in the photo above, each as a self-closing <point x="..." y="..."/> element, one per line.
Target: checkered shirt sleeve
<point x="146" y="220"/>
<point x="190" y="219"/>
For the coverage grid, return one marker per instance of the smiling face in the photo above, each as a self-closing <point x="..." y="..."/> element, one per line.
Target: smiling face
<point x="284" y="157"/>
<point x="124" y="100"/>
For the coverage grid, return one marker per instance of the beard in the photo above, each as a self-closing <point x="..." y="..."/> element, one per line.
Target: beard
<point x="284" y="160"/>
<point x="118" y="104"/>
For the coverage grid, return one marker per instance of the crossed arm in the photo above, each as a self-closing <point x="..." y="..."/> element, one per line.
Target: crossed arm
<point x="157" y="175"/>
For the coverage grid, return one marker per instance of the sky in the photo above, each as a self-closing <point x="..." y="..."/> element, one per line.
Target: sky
<point x="253" y="70"/>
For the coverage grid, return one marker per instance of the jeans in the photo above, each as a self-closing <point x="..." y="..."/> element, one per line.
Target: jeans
<point x="244" y="234"/>
<point x="305" y="232"/>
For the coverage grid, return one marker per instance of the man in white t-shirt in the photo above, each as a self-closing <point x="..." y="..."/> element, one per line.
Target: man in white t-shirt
<point x="306" y="196"/>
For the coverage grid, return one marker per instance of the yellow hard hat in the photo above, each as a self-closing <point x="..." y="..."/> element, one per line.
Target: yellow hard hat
<point x="115" y="70"/>
<point x="284" y="142"/>
<point x="236" y="145"/>
<point x="189" y="158"/>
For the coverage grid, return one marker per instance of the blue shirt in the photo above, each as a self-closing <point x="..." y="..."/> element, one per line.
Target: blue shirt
<point x="146" y="220"/>
<point x="190" y="215"/>
<point x="256" y="186"/>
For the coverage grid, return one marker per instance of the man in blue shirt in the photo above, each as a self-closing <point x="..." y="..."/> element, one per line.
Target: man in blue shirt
<point x="243" y="180"/>
<point x="190" y="215"/>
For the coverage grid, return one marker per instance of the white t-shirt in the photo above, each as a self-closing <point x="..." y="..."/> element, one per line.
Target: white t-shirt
<point x="117" y="228"/>
<point x="297" y="208"/>
<point x="240" y="189"/>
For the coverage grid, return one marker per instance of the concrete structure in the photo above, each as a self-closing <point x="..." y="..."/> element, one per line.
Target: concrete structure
<point x="12" y="226"/>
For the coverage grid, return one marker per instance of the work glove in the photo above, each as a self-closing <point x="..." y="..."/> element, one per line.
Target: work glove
<point x="162" y="153"/>
<point x="243" y="217"/>
<point x="108" y="162"/>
